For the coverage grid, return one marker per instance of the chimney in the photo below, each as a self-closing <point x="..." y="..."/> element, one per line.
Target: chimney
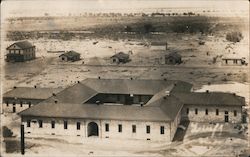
<point x="131" y="78"/>
<point x="78" y="81"/>
<point x="207" y="91"/>
<point x="175" y="84"/>
<point x="99" y="77"/>
<point x="14" y="87"/>
<point x="234" y="94"/>
<point x="55" y="101"/>
<point x="141" y="104"/>
<point x="165" y="97"/>
<point x="35" y="86"/>
<point x="165" y="79"/>
<point x="53" y="94"/>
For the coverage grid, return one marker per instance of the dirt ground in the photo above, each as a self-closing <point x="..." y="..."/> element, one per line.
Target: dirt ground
<point x="197" y="68"/>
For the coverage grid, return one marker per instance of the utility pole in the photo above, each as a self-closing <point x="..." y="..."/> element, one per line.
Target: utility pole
<point x="22" y="139"/>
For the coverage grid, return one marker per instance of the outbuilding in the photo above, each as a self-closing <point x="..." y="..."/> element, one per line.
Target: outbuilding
<point x="20" y="51"/>
<point x="120" y="57"/>
<point x="70" y="56"/>
<point x="173" y="58"/>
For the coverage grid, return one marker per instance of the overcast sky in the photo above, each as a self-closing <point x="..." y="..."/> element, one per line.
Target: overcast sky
<point x="64" y="7"/>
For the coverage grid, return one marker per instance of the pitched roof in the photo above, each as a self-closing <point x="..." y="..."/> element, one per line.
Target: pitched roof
<point x="121" y="55"/>
<point x="93" y="111"/>
<point x="22" y="44"/>
<point x="70" y="102"/>
<point x="210" y="98"/>
<point x="31" y="93"/>
<point x="134" y="86"/>
<point x="78" y="93"/>
<point x="174" y="55"/>
<point x="70" y="54"/>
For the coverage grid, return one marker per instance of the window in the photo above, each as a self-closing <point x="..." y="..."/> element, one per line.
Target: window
<point x="21" y="104"/>
<point x="162" y="129"/>
<point x="7" y="103"/>
<point x="52" y="124"/>
<point x="40" y="122"/>
<point x="78" y="125"/>
<point x="196" y="111"/>
<point x="235" y="113"/>
<point x="107" y="127"/>
<point x="206" y="111"/>
<point x="217" y="112"/>
<point x="148" y="129"/>
<point x="134" y="128"/>
<point x="65" y="124"/>
<point x="187" y="110"/>
<point x="29" y="104"/>
<point x="226" y="112"/>
<point x="28" y="123"/>
<point x="119" y="128"/>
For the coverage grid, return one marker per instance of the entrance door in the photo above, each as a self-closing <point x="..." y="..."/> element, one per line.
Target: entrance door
<point x="93" y="129"/>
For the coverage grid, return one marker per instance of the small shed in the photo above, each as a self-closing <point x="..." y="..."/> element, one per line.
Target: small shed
<point x="70" y="56"/>
<point x="173" y="58"/>
<point x="120" y="57"/>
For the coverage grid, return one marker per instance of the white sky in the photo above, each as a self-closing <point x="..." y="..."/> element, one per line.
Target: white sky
<point x="59" y="7"/>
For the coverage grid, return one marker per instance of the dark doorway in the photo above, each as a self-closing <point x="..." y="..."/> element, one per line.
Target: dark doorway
<point x="92" y="129"/>
<point x="14" y="108"/>
<point x="226" y="118"/>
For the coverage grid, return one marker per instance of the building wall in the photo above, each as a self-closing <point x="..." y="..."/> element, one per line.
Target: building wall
<point x="211" y="116"/>
<point x="19" y="55"/>
<point x="126" y="133"/>
<point x="174" y="125"/>
<point x="10" y="103"/>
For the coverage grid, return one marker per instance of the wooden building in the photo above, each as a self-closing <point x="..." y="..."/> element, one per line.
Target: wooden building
<point x="173" y="58"/>
<point x="120" y="57"/>
<point x="70" y="56"/>
<point x="20" y="52"/>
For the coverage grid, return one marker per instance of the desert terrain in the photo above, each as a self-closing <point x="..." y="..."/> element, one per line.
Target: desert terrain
<point x="97" y="38"/>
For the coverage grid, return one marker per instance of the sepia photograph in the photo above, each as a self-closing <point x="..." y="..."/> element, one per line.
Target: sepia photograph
<point x="124" y="78"/>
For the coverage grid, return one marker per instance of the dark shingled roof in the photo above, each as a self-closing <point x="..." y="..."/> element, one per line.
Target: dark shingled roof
<point x="121" y="55"/>
<point x="167" y="102"/>
<point x="211" y="98"/>
<point x="174" y="55"/>
<point x="116" y="112"/>
<point x="70" y="54"/>
<point x="128" y="86"/>
<point x="22" y="44"/>
<point x="78" y="93"/>
<point x="31" y="93"/>
<point x="70" y="102"/>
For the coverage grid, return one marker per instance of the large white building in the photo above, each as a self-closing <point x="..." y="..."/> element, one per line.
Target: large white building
<point x="128" y="109"/>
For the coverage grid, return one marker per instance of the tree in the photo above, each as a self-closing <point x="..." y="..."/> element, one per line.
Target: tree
<point x="234" y="36"/>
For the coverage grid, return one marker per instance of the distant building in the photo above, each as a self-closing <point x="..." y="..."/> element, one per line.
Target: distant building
<point x="173" y="58"/>
<point x="234" y="60"/>
<point x="20" y="52"/>
<point x="120" y="57"/>
<point x="70" y="56"/>
<point x="159" y="45"/>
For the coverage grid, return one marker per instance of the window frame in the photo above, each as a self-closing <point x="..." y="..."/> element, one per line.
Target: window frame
<point x="148" y="129"/>
<point x="65" y="124"/>
<point x="119" y="128"/>
<point x="162" y="130"/>
<point x="106" y="127"/>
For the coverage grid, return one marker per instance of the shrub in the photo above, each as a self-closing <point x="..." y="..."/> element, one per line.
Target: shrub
<point x="7" y="132"/>
<point x="234" y="36"/>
